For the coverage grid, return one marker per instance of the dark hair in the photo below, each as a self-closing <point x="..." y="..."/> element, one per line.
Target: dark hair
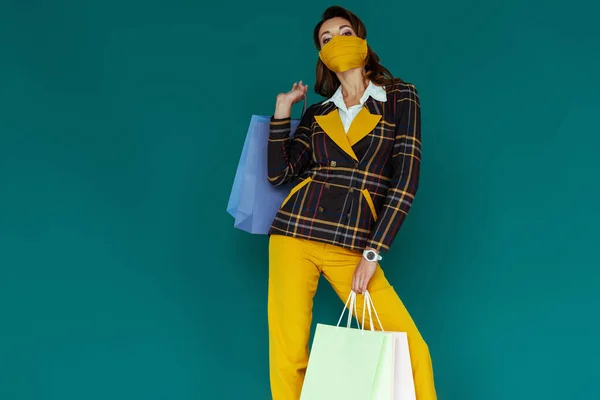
<point x="326" y="82"/>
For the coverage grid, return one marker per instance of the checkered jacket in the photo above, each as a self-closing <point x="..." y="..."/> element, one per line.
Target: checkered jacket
<point x="353" y="190"/>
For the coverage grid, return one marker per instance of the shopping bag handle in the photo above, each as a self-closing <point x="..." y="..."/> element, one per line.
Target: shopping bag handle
<point x="350" y="305"/>
<point x="305" y="104"/>
<point x="368" y="305"/>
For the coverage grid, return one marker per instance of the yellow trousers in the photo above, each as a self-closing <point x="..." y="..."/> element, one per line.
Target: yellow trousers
<point x="295" y="266"/>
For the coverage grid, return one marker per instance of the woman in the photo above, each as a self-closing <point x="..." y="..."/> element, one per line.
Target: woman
<point x="356" y="156"/>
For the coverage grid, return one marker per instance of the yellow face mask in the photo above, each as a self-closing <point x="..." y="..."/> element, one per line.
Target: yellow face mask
<point x="342" y="53"/>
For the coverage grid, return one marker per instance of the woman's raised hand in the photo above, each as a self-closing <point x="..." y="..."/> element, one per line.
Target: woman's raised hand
<point x="285" y="101"/>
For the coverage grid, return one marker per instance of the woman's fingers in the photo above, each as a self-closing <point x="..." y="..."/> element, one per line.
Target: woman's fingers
<point x="359" y="279"/>
<point x="299" y="85"/>
<point x="358" y="276"/>
<point x="299" y="88"/>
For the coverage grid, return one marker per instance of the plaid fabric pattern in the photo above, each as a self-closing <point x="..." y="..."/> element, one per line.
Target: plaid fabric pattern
<point x="339" y="200"/>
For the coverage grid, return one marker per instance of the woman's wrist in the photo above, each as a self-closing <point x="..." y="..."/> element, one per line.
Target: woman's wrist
<point x="371" y="254"/>
<point x="283" y="109"/>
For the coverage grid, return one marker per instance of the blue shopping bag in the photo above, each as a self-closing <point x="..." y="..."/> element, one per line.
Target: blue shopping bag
<point x="253" y="201"/>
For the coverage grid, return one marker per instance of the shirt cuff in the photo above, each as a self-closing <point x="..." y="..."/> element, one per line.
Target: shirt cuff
<point x="280" y="127"/>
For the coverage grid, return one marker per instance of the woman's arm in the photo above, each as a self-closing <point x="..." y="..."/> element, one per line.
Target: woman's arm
<point x="288" y="157"/>
<point x="406" y="160"/>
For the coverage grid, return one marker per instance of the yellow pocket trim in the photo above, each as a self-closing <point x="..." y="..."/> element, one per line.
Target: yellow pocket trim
<point x="369" y="200"/>
<point x="295" y="189"/>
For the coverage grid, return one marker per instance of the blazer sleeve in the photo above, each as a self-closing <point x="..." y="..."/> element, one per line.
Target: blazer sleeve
<point x="406" y="159"/>
<point x="289" y="156"/>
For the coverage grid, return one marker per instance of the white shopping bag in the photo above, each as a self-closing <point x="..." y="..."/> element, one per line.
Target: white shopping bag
<point x="404" y="385"/>
<point x="354" y="364"/>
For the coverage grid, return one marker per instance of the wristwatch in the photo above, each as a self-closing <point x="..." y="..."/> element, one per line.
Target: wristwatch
<point x="371" y="255"/>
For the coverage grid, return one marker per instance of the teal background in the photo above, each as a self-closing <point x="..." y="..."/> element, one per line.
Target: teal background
<point x="122" y="277"/>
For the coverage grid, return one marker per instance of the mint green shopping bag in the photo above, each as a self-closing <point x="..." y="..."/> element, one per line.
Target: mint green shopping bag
<point x="348" y="363"/>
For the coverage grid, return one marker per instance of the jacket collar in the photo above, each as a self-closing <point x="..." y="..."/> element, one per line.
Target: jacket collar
<point x="364" y="122"/>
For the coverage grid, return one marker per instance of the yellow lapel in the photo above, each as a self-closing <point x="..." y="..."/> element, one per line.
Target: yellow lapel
<point x="332" y="125"/>
<point x="362" y="125"/>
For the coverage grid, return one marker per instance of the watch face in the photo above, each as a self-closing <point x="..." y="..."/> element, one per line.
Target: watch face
<point x="370" y="255"/>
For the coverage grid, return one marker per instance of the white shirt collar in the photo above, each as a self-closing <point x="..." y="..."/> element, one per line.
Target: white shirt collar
<point x="372" y="90"/>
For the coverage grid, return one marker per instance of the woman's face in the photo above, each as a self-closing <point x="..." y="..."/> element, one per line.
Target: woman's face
<point x="335" y="27"/>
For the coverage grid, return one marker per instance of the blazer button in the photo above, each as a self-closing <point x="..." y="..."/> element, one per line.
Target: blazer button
<point x="351" y="190"/>
<point x="321" y="209"/>
<point x="327" y="186"/>
<point x="333" y="163"/>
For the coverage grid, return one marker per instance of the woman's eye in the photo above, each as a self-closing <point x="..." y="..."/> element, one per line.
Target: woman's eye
<point x="326" y="40"/>
<point x="347" y="33"/>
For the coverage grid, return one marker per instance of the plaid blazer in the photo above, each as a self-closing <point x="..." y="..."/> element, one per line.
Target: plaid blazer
<point x="354" y="190"/>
